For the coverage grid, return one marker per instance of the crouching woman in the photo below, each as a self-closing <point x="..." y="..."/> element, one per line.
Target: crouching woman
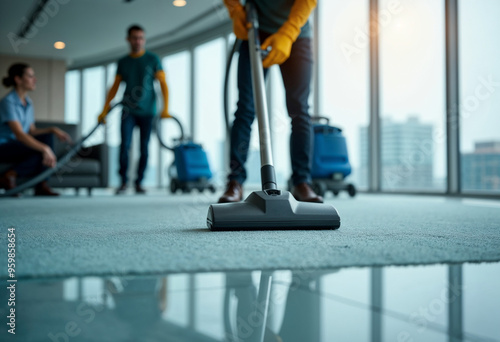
<point x="28" y="148"/>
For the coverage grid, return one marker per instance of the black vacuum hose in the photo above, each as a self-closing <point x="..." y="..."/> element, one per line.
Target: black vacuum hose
<point x="236" y="47"/>
<point x="159" y="132"/>
<point x="60" y="163"/>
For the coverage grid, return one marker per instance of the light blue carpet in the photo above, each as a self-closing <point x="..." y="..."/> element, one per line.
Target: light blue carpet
<point x="164" y="233"/>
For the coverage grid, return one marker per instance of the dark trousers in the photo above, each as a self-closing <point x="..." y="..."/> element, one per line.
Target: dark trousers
<point x="129" y="121"/>
<point x="296" y="73"/>
<point x="28" y="162"/>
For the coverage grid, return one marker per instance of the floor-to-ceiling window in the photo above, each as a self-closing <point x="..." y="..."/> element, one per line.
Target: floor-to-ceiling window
<point x="412" y="95"/>
<point x="178" y="75"/>
<point x="72" y="97"/>
<point x="343" y="76"/>
<point x="92" y="102"/>
<point x="479" y="107"/>
<point x="209" y="125"/>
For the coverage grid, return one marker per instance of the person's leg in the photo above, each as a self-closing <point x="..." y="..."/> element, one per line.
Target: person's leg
<point x="244" y="115"/>
<point x="47" y="139"/>
<point x="28" y="161"/>
<point x="296" y="73"/>
<point x="126" y="129"/>
<point x="243" y="118"/>
<point x="145" y="125"/>
<point x="23" y="157"/>
<point x="43" y="188"/>
<point x="242" y="127"/>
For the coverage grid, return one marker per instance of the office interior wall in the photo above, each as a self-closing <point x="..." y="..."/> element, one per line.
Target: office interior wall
<point x="48" y="97"/>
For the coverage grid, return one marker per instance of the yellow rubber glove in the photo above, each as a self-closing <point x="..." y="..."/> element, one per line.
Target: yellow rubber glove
<point x="102" y="116"/>
<point x="281" y="42"/>
<point x="239" y="17"/>
<point x="111" y="94"/>
<point x="160" y="76"/>
<point x="281" y="46"/>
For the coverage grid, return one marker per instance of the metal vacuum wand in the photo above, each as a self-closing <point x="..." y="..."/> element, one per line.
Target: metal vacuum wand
<point x="268" y="175"/>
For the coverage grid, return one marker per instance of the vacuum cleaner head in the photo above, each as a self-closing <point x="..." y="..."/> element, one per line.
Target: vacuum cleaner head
<point x="272" y="209"/>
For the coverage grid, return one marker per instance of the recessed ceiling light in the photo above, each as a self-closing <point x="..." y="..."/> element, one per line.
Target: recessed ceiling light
<point x="59" y="45"/>
<point x="179" y="3"/>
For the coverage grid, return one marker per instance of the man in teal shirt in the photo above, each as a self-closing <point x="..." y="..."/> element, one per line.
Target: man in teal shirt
<point x="138" y="70"/>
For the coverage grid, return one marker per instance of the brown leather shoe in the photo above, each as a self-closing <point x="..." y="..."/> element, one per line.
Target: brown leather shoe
<point x="140" y="190"/>
<point x="43" y="189"/>
<point x="303" y="192"/>
<point x="8" y="180"/>
<point x="121" y="190"/>
<point x="234" y="193"/>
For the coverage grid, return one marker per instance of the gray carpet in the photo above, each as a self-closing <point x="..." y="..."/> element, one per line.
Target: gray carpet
<point x="160" y="233"/>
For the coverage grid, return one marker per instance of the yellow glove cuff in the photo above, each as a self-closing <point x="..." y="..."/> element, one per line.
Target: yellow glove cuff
<point x="290" y="30"/>
<point x="299" y="14"/>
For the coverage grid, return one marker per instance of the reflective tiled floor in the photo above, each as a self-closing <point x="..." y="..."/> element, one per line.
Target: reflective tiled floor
<point x="403" y="304"/>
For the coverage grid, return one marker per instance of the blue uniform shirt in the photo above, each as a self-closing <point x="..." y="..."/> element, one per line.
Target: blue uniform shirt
<point x="12" y="109"/>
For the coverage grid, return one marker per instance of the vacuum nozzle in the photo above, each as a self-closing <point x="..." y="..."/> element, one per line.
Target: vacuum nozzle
<point x="272" y="209"/>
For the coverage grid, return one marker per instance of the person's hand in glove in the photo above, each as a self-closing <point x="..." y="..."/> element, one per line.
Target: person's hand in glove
<point x="102" y="116"/>
<point x="281" y="42"/>
<point x="281" y="45"/>
<point x="238" y="16"/>
<point x="109" y="97"/>
<point x="160" y="76"/>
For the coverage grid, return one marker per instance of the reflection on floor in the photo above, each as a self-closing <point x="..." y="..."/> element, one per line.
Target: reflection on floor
<point x="458" y="302"/>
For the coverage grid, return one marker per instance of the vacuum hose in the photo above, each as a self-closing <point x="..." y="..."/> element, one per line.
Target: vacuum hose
<point x="236" y="47"/>
<point x="60" y="163"/>
<point x="159" y="132"/>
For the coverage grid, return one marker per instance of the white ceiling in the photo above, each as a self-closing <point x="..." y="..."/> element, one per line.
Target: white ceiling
<point x="95" y="29"/>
